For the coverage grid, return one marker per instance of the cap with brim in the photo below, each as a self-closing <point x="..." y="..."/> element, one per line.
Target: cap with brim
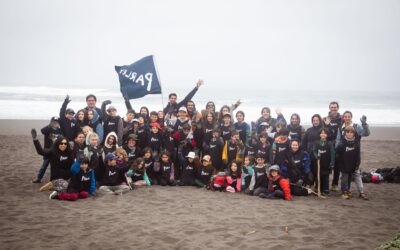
<point x="111" y="108"/>
<point x="55" y="119"/>
<point x="191" y="155"/>
<point x="226" y="115"/>
<point x="110" y="157"/>
<point x="133" y="137"/>
<point x="183" y="109"/>
<point x="69" y="111"/>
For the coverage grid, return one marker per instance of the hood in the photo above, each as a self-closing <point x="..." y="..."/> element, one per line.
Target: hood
<point x="108" y="135"/>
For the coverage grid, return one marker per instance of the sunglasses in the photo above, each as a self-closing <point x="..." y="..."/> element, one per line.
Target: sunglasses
<point x="63" y="143"/>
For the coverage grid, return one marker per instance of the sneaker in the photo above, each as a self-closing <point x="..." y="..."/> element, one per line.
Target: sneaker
<point x="53" y="195"/>
<point x="47" y="186"/>
<point x="335" y="188"/>
<point x="363" y="196"/>
<point x="36" y="180"/>
<point x="345" y="196"/>
<point x="262" y="195"/>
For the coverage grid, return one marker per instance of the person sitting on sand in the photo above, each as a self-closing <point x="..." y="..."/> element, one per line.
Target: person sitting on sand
<point x="204" y="173"/>
<point x="111" y="182"/>
<point x="234" y="177"/>
<point x="247" y="171"/>
<point x="278" y="187"/>
<point x="165" y="169"/>
<point x="258" y="182"/>
<point x="81" y="184"/>
<point x="189" y="168"/>
<point x="137" y="173"/>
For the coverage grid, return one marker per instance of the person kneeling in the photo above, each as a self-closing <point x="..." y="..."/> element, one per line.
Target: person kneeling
<point x="111" y="182"/>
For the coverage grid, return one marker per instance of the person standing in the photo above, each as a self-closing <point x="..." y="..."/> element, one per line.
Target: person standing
<point x="173" y="105"/>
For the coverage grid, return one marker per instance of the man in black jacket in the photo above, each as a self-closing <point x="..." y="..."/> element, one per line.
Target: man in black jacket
<point x="173" y="106"/>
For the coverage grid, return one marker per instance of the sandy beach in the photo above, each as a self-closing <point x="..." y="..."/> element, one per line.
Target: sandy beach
<point x="188" y="217"/>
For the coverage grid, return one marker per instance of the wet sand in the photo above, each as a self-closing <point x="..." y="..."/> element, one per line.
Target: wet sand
<point x="188" y="217"/>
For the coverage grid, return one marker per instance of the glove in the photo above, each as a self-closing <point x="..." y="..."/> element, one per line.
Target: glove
<point x="34" y="134"/>
<point x="106" y="102"/>
<point x="363" y="120"/>
<point x="67" y="100"/>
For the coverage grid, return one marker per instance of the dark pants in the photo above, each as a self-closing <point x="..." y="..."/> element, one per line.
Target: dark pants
<point x="43" y="168"/>
<point x="324" y="183"/>
<point x="336" y="174"/>
<point x="298" y="191"/>
<point x="165" y="182"/>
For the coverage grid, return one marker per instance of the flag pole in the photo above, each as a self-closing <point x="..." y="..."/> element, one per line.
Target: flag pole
<point x="159" y="79"/>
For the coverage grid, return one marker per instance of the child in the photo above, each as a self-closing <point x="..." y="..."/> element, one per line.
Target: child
<point x="247" y="171"/>
<point x="233" y="149"/>
<point x="142" y="132"/>
<point x="185" y="143"/>
<point x="149" y="164"/>
<point x="154" y="141"/>
<point x="242" y="127"/>
<point x="204" y="173"/>
<point x="258" y="183"/>
<point x="189" y="170"/>
<point x="280" y="147"/>
<point x="165" y="169"/>
<point x="132" y="149"/>
<point x="348" y="151"/>
<point x="81" y="184"/>
<point x="112" y="176"/>
<point x="138" y="174"/>
<point x="323" y="151"/>
<point x="112" y="122"/>
<point x="122" y="161"/>
<point x="214" y="149"/>
<point x="226" y="127"/>
<point x="234" y="177"/>
<point x="263" y="147"/>
<point x="278" y="187"/>
<point x="110" y="143"/>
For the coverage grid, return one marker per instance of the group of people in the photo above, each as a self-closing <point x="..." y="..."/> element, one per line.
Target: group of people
<point x="97" y="149"/>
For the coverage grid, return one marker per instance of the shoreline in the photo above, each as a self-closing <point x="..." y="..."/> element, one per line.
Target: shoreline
<point x="23" y="127"/>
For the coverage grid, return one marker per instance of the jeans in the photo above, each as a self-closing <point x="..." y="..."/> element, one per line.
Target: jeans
<point x="43" y="168"/>
<point x="324" y="183"/>
<point x="344" y="181"/>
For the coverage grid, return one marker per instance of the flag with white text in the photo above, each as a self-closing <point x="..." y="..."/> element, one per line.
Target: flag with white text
<point x="139" y="79"/>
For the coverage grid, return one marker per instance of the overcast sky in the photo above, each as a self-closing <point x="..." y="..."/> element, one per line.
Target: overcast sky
<point x="256" y="44"/>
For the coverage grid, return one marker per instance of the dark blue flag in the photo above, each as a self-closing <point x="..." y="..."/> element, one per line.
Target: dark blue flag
<point x="139" y="79"/>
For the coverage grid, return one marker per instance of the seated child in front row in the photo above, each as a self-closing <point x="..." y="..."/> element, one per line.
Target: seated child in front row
<point x="137" y="173"/>
<point x="81" y="184"/>
<point x="204" y="173"/>
<point x="111" y="182"/>
<point x="278" y="187"/>
<point x="234" y="177"/>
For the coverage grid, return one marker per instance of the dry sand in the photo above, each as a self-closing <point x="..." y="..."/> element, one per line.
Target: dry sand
<point x="187" y="217"/>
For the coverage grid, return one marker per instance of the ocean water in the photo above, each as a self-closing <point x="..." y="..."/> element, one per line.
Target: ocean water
<point x="42" y="102"/>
